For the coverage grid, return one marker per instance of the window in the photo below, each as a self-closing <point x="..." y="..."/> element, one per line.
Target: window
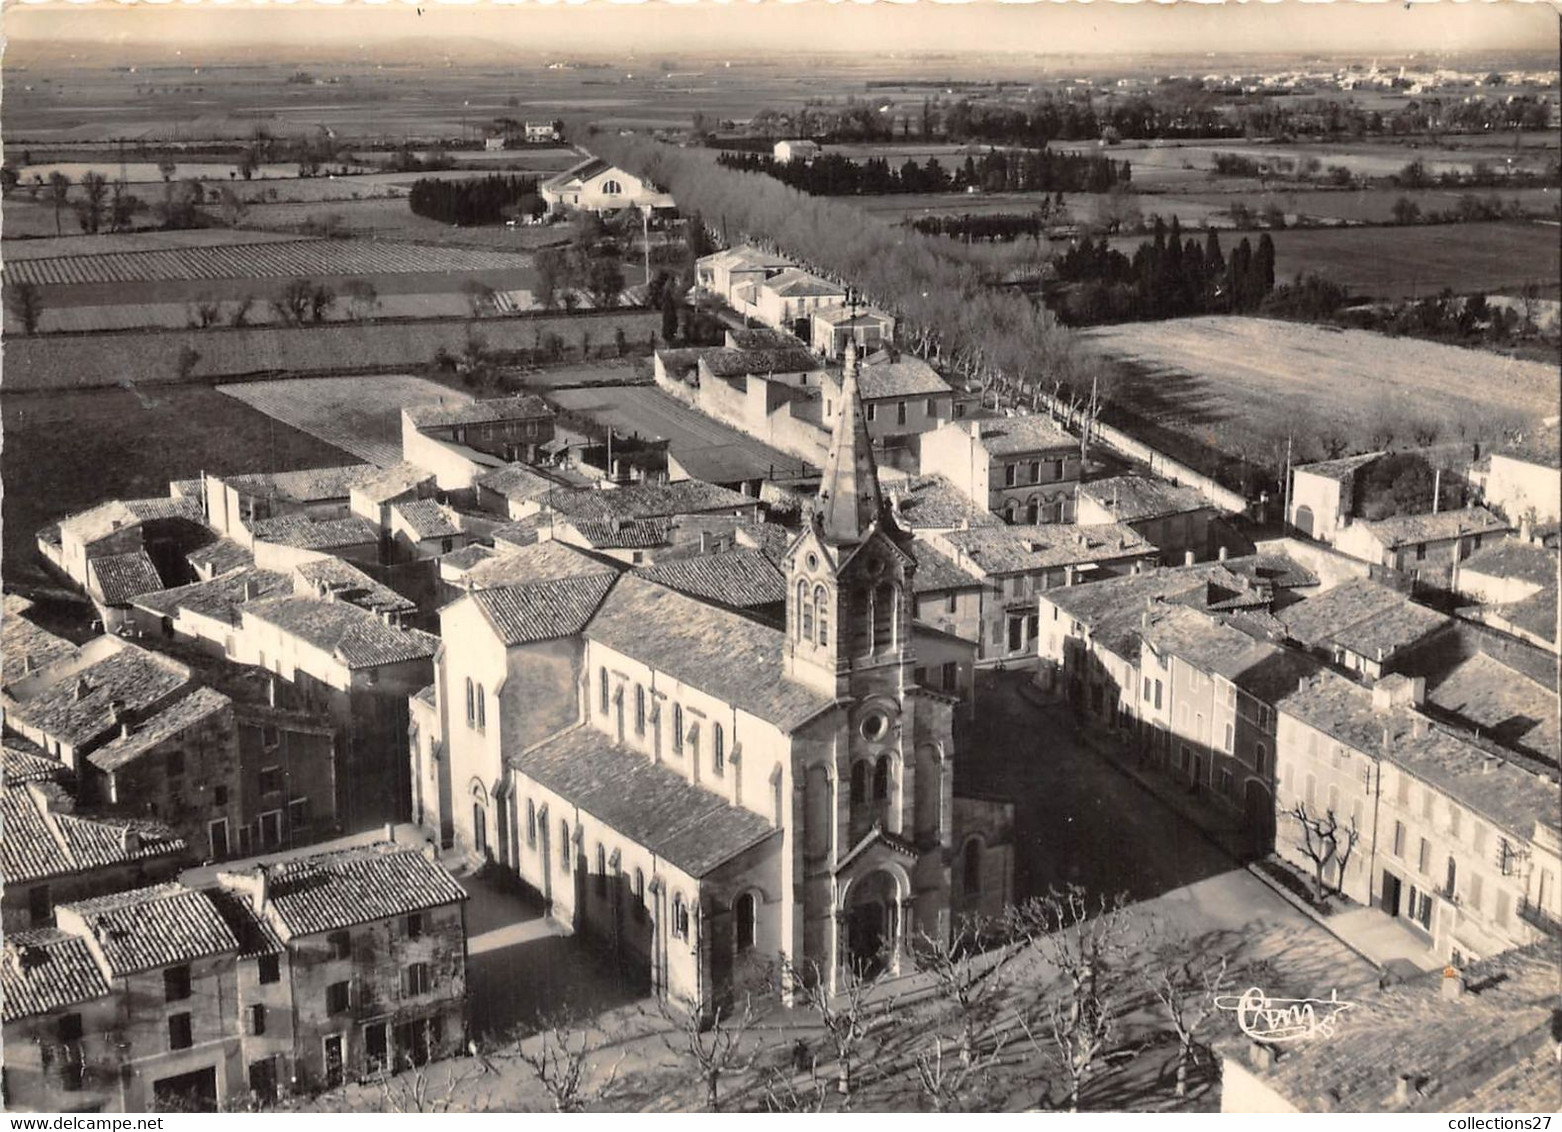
<point x="822" y="614"/>
<point x="639" y="894"/>
<point x="1474" y="891"/>
<point x="1312" y="789"/>
<point x="745" y="914"/>
<point x="1478" y="838"/>
<point x="951" y="603"/>
<point x="680" y="917"/>
<point x="471" y="702"/>
<point x="416" y="980"/>
<point x="269" y="969"/>
<point x="531" y="824"/>
<point x="1453" y="820"/>
<point x="341" y="945"/>
<point x="68" y="1028"/>
<point x="1035" y="471"/>
<point x="1426" y="804"/>
<point x="867" y="411"/>
<point x="564" y="847"/>
<point x="176" y="983"/>
<point x="859" y="785"/>
<point x="271" y="780"/>
<point x="900" y="412"/>
<point x="375" y="1049"/>
<point x="805" y="616"/>
<point x="336" y="998"/>
<point x="719" y="748"/>
<point x="1451" y="877"/>
<point x="601" y="877"/>
<point x="270" y="738"/>
<point x="1420" y="552"/>
<point x="39" y="905"/>
<point x="1225" y="782"/>
<point x="932" y="408"/>
<point x="1157" y="695"/>
<point x="1399" y="839"/>
<point x="881" y="779"/>
<point x="179" y="1032"/>
<point x="415" y="925"/>
<point x="1229" y="736"/>
<point x="1500" y="913"/>
<point x="1010" y="474"/>
<point x="639" y="709"/>
<point x="611" y="188"/>
<point x="678" y="729"/>
<point x="1147" y="688"/>
<point x="1424" y="857"/>
<point x="298" y="813"/>
<point x="219" y="795"/>
<point x="951" y="675"/>
<point x="257" y="1019"/>
<point x="602" y="682"/>
<point x="1260" y="756"/>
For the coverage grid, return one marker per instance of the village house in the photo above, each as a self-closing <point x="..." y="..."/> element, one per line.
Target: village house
<point x="787" y="300"/>
<point x="740" y="578"/>
<point x="722" y="273"/>
<point x="515" y="491"/>
<point x="797" y="149"/>
<point x="282" y="542"/>
<point x="930" y="504"/>
<point x="1507" y="570"/>
<point x="375" y="941"/>
<point x="713" y="792"/>
<point x="52" y="855"/>
<point x="1524" y="479"/>
<point x="234" y="504"/>
<point x="205" y="613"/>
<point x="1176" y="519"/>
<point x="423" y="528"/>
<point x="1325" y="495"/>
<point x="1458" y="843"/>
<point x="948" y="598"/>
<point x="459" y="443"/>
<point x="1364" y="627"/>
<point x="832" y="326"/>
<point x="543" y="133"/>
<point x="1017" y="563"/>
<point x="1428" y="547"/>
<point x="903" y="399"/>
<point x="1474" y="1041"/>
<point x="1022" y="468"/>
<point x="26" y="646"/>
<point x="595" y="186"/>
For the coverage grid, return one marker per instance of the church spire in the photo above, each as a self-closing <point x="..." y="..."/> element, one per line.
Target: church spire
<point x="849" y="499"/>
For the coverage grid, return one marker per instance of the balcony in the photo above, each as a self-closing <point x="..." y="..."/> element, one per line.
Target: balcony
<point x="1539" y="918"/>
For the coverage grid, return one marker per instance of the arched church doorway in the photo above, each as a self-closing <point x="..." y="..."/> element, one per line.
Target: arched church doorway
<point x="872" y="924"/>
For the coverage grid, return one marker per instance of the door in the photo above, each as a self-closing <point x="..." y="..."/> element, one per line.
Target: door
<point x="263" y="1080"/>
<point x="218" y="831"/>
<point x="412" y="1043"/>
<point x="333" y="1061"/>
<point x="1390" y="893"/>
<point x="480" y="828"/>
<point x="271" y="829"/>
<point x="1198" y="772"/>
<point x="188" y="1092"/>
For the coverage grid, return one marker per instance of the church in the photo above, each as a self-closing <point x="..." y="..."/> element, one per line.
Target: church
<point x="706" y="794"/>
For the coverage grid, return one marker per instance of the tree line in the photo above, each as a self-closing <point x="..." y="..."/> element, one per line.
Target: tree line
<point x="485" y="200"/>
<point x="1166" y="277"/>
<point x="1013" y="171"/>
<point x="991" y="227"/>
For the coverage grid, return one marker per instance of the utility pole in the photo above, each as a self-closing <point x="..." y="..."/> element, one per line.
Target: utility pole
<point x="1285" y="507"/>
<point x="645" y="227"/>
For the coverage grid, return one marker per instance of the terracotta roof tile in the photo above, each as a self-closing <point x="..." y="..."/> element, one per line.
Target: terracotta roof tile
<point x="220" y="557"/>
<point x="120" y="577"/>
<point x="543" y="610"/>
<point x="740" y="578"/>
<point x="427" y="518"/>
<point x="623" y="534"/>
<point x="219" y="598"/>
<point x="175" y="719"/>
<point x="650" y="501"/>
<point x="539" y="562"/>
<point x="1134" y="498"/>
<point x="44" y="970"/>
<point x="303" y="533"/>
<point x="1017" y="549"/>
<point x="525" y="406"/>
<point x="40" y="843"/>
<point x="330" y="891"/>
<point x="354" y="636"/>
<point x="1402" y="530"/>
<point x="154" y="927"/>
<point x="80" y="709"/>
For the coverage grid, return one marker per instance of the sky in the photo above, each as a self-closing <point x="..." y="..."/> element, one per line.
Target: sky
<point x="1361" y="28"/>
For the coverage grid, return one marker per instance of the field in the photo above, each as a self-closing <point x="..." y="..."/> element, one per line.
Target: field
<point x="67" y="450"/>
<point x="361" y="415"/>
<point x="260" y="261"/>
<point x="1373" y="206"/>
<point x="1238" y="385"/>
<point x="389" y="218"/>
<point x="143" y="358"/>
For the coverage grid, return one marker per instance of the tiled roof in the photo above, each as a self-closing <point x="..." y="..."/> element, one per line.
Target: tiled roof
<point x="1506" y="704"/>
<point x="1363" y="616"/>
<point x="303" y="533"/>
<point x="330" y="891"/>
<point x="521" y="532"/>
<point x="352" y="635"/>
<point x="1536" y="613"/>
<point x="318" y="484"/>
<point x="334" y="577"/>
<point x="22" y="762"/>
<point x="771" y="538"/>
<point x="427" y="518"/>
<point x="1507" y="794"/>
<point x="176" y="718"/>
<point x="543" y="610"/>
<point x="518" y="482"/>
<point x="255" y="933"/>
<point x="937" y="572"/>
<point x="79" y="709"/>
<point x="219" y="598"/>
<point x="650" y="501"/>
<point x="387" y="483"/>
<point x="763" y="338"/>
<point x="1452" y="1051"/>
<point x="1213" y="646"/>
<point x="653" y="806"/>
<point x="586" y="170"/>
<point x="43" y="970"/>
<point x="1133" y="498"/>
<point x="623" y="534"/>
<point x="186" y="489"/>
<point x="540" y="562"/>
<point x="740" y="578"/>
<point x="724" y="654"/>
<point x="746" y="255"/>
<point x="463" y="560"/>
<point x="1402" y="530"/>
<point x="1011" y="436"/>
<point x="727" y="362"/>
<point x="839" y="314"/>
<point x="40" y="843"/>
<point x="794" y="282"/>
<point x="1341" y="470"/>
<point x="154" y="927"/>
<point x="905" y="377"/>
<point x="522" y="407"/>
<point x="1009" y="550"/>
<point x="91" y="525"/>
<point x="934" y="503"/>
<point x="1514" y="558"/>
<point x="20" y="640"/>
<point x="220" y="557"/>
<point x="120" y="577"/>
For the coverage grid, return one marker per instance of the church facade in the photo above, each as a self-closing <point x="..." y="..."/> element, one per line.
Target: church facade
<point x="708" y="795"/>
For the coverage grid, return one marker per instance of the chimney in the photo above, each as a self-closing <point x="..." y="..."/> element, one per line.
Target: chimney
<point x="1220" y="554"/>
<point x="83" y="689"/>
<point x="707" y="542"/>
<point x="251" y="589"/>
<point x="262" y="887"/>
<point x="1187" y="558"/>
<point x="29" y="665"/>
<point x="116" y="711"/>
<point x="1261" y="1056"/>
<point x="1527" y="528"/>
<point x="129" y="840"/>
<point x="390" y="832"/>
<point x="126" y="728"/>
<point x="1404" y="1088"/>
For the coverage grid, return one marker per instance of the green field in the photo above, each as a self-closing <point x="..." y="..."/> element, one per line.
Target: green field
<point x="67" y="450"/>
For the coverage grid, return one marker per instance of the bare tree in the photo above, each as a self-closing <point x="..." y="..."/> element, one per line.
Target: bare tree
<point x="848" y="1016"/>
<point x="189" y="358"/>
<point x="563" y="1058"/>
<point x="437" y="1087"/>
<point x="239" y="315"/>
<point x="1323" y="839"/>
<point x="1074" y="1033"/>
<point x="781" y="1091"/>
<point x="362" y="298"/>
<point x="971" y="985"/>
<point x="480" y="298"/>
<point x="59" y="194"/>
<point x="951" y="1081"/>
<point x="91" y="208"/>
<point x="1185" y="976"/>
<point x="717" y="1045"/>
<point x="24" y="302"/>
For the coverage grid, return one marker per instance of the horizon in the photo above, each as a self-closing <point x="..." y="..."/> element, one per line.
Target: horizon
<point x="1360" y="29"/>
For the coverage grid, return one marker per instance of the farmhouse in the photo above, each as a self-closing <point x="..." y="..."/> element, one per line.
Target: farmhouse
<point x="1363" y="626"/>
<point x="1428" y="546"/>
<point x="459" y="443"/>
<point x="831" y="326"/>
<point x="1176" y="519"/>
<point x="595" y="186"/>
<point x="787" y="299"/>
<point x="1325" y="495"/>
<point x="795" y="149"/>
<point x="722" y="273"/>
<point x="1022" y="468"/>
<point x="541" y="133"/>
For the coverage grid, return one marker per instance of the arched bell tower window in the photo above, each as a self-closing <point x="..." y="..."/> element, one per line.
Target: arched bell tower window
<point x="859" y="793"/>
<point x="881" y="779"/>
<point x="805" y="613"/>
<point x="884" y="615"/>
<point x="822" y="614"/>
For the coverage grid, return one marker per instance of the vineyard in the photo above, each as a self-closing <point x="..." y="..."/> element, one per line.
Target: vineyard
<point x="259" y="261"/>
